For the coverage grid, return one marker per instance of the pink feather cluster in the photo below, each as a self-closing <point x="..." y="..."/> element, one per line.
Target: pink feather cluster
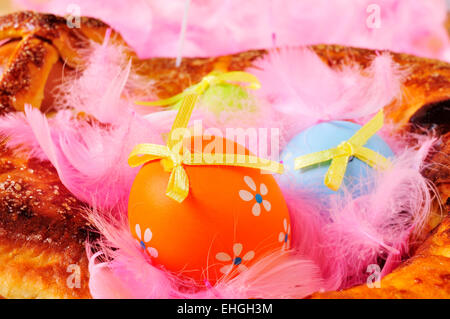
<point x="303" y="90"/>
<point x="299" y="90"/>
<point x="90" y="156"/>
<point x="407" y="26"/>
<point x="354" y="232"/>
<point x="128" y="272"/>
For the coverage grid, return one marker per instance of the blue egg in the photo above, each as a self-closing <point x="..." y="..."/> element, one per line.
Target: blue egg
<point x="358" y="176"/>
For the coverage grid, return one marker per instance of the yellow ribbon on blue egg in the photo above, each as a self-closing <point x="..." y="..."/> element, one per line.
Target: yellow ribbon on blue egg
<point x="341" y="154"/>
<point x="173" y="161"/>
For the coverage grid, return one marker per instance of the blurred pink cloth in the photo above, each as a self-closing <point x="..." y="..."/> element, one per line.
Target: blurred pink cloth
<point x="152" y="27"/>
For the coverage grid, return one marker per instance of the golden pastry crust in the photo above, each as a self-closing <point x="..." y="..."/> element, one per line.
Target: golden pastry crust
<point x="42" y="41"/>
<point x="425" y="275"/>
<point x="39" y="240"/>
<point x="26" y="74"/>
<point x="428" y="80"/>
<point x="438" y="170"/>
<point x="54" y="29"/>
<point x="42" y="232"/>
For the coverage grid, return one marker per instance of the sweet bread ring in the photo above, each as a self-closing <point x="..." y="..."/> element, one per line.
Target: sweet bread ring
<point x="42" y="240"/>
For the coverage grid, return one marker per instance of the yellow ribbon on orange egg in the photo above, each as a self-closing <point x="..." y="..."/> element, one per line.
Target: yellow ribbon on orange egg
<point x="341" y="154"/>
<point x="170" y="155"/>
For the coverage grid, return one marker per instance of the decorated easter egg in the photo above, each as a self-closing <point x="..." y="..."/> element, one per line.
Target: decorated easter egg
<point x="232" y="217"/>
<point x="358" y="179"/>
<point x="224" y="96"/>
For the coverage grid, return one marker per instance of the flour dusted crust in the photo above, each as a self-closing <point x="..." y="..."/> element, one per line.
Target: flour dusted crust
<point x="42" y="231"/>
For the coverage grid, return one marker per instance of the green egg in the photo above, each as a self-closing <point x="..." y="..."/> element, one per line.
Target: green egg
<point x="225" y="97"/>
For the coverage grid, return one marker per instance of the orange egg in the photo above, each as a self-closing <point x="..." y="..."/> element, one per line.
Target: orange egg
<point x="231" y="218"/>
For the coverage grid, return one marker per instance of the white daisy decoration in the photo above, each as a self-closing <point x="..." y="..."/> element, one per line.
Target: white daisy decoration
<point x="283" y="237"/>
<point x="255" y="196"/>
<point x="236" y="260"/>
<point x="144" y="241"/>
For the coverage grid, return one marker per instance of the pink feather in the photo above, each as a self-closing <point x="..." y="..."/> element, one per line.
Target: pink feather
<point x="354" y="233"/>
<point x="91" y="159"/>
<point x="302" y="90"/>
<point x="127" y="272"/>
<point x="104" y="87"/>
<point x="119" y="266"/>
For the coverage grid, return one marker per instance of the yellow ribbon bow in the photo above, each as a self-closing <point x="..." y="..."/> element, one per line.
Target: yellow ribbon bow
<point x="213" y="78"/>
<point x="341" y="154"/>
<point x="174" y="162"/>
